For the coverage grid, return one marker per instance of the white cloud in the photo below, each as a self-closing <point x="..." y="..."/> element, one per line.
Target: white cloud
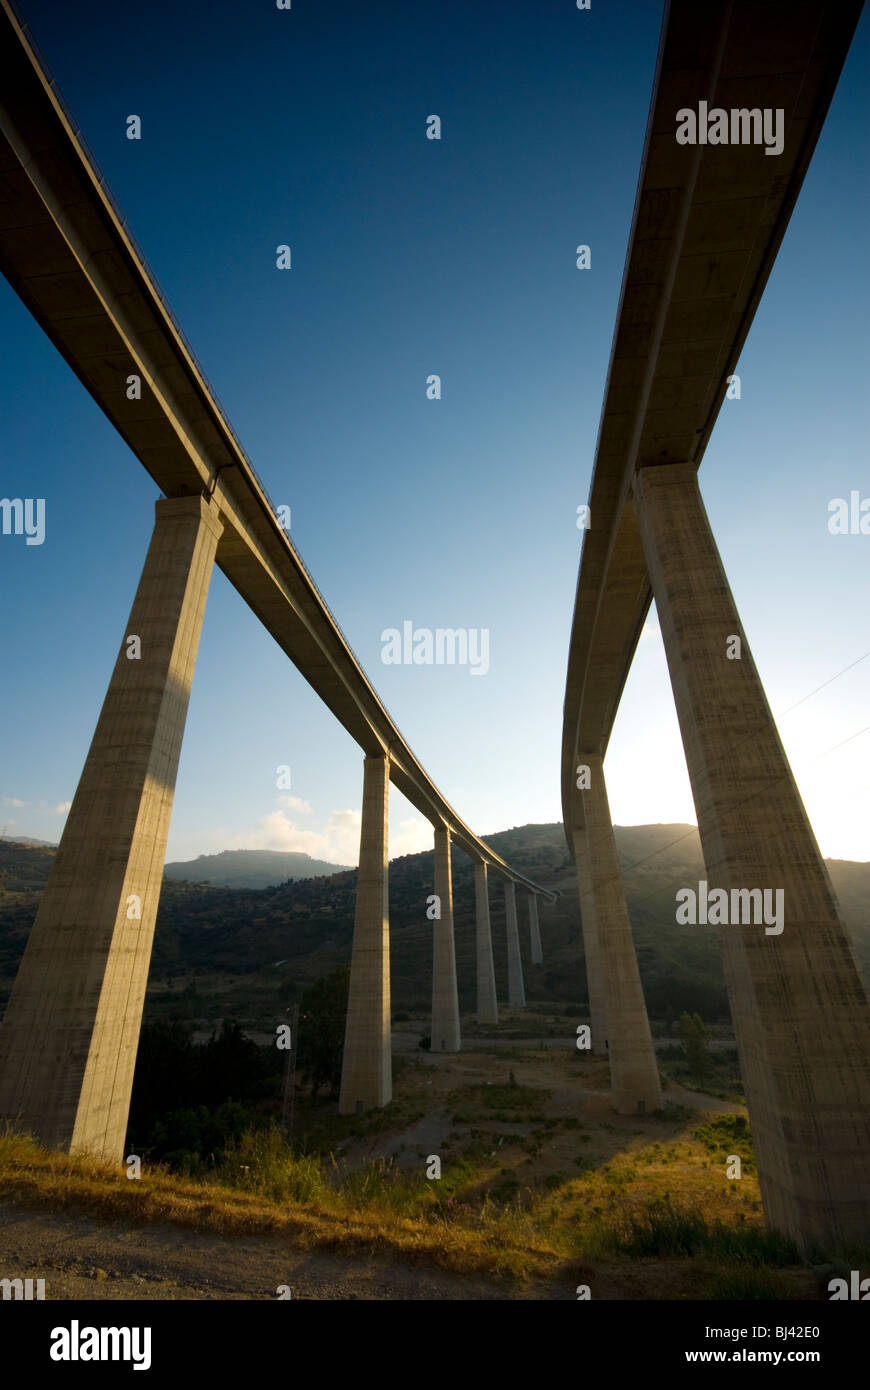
<point x="342" y="835"/>
<point x="410" y="836"/>
<point x="338" y="843"/>
<point x="62" y="807"/>
<point x="13" y="801"/>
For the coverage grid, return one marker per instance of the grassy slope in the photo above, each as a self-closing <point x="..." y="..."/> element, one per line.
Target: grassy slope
<point x="540" y="1182"/>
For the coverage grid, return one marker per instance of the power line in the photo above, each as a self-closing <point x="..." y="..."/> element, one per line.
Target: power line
<point x="845" y="740"/>
<point x="735" y="806"/>
<point x="823" y="684"/>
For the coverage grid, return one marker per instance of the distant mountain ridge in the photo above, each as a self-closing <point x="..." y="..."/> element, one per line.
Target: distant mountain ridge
<point x="28" y="840"/>
<point x="251" y="868"/>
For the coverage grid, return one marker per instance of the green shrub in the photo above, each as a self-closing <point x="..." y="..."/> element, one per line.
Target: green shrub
<point x="728" y="1134"/>
<point x="662" y="1229"/>
<point x="261" y="1161"/>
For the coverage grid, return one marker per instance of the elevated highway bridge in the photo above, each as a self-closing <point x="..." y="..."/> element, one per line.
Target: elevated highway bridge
<point x="709" y="219"/>
<point x="69" y="1037"/>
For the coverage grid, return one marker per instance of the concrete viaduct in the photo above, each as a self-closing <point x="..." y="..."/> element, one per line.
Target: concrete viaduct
<point x="708" y="222"/>
<point x="707" y="225"/>
<point x="69" y="1038"/>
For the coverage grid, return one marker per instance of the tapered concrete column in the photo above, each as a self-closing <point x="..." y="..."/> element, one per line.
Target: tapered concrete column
<point x="445" y="999"/>
<point x="487" y="1002"/>
<point x="537" y="954"/>
<point x="634" y="1073"/>
<point x="591" y="947"/>
<point x="799" y="1005"/>
<point x="69" y="1039"/>
<point x="516" y="988"/>
<point x="367" y="1066"/>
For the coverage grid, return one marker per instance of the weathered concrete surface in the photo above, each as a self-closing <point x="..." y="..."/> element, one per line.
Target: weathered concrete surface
<point x="634" y="1075"/>
<point x="69" y="1037"/>
<point x="367" y="1071"/>
<point x="591" y="945"/>
<point x="445" y="997"/>
<point x="536" y="953"/>
<point x="516" y="987"/>
<point x="800" y="1011"/>
<point x="487" y="1000"/>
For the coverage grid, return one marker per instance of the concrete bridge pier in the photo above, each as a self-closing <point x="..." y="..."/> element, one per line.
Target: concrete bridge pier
<point x="591" y="945"/>
<point x="799" y="1005"/>
<point x="367" y="1066"/>
<point x="516" y="988"/>
<point x="69" y="1039"/>
<point x="445" y="997"/>
<point x="487" y="1001"/>
<point x="537" y="955"/>
<point x="634" y="1075"/>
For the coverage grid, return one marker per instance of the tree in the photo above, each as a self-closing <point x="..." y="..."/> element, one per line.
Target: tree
<point x="695" y="1037"/>
<point x="232" y="1067"/>
<point x="165" y="1076"/>
<point x="322" y="1017"/>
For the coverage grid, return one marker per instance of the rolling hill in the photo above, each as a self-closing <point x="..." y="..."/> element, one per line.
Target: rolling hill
<point x="250" y="868"/>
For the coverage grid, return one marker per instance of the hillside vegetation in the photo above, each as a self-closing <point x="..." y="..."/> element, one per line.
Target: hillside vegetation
<point x="249" y="954"/>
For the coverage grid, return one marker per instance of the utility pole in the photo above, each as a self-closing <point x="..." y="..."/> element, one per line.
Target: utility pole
<point x="289" y="1105"/>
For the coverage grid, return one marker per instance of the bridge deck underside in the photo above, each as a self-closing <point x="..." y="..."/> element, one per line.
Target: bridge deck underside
<point x="67" y="254"/>
<point x="708" y="223"/>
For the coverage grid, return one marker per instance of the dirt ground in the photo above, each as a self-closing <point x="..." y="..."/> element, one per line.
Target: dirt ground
<point x="80" y="1258"/>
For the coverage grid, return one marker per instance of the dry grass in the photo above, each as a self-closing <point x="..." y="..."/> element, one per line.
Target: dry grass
<point x="42" y="1178"/>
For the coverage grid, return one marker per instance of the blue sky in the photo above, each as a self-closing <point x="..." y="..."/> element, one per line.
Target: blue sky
<point x="410" y="257"/>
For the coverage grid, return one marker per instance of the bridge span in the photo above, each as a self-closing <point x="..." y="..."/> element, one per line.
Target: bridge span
<point x="708" y="222"/>
<point x="69" y="1038"/>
